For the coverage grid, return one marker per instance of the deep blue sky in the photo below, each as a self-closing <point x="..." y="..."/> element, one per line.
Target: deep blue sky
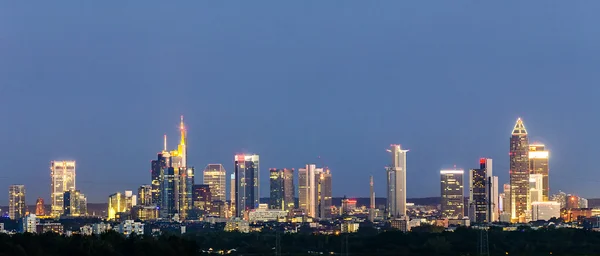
<point x="101" y="83"/>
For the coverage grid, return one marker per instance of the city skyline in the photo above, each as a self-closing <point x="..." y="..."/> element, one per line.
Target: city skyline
<point x="295" y="84"/>
<point x="182" y="148"/>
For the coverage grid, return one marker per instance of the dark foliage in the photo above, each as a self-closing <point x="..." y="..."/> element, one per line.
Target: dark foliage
<point x="427" y="240"/>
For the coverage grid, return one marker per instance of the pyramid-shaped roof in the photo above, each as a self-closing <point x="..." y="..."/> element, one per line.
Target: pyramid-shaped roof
<point x="519" y="128"/>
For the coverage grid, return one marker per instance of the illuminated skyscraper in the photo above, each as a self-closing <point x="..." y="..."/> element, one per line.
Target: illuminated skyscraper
<point x="483" y="193"/>
<point x="40" y="209"/>
<point x="247" y="183"/>
<point x="172" y="179"/>
<point x="202" y="198"/>
<point x="307" y="189"/>
<point x="506" y="199"/>
<point x="120" y="203"/>
<point x="536" y="188"/>
<point x="214" y="176"/>
<point x="232" y="188"/>
<point x="281" y="189"/>
<point x="396" y="182"/>
<point x="538" y="164"/>
<point x="145" y="195"/>
<point x="74" y="204"/>
<point x="324" y="194"/>
<point x="452" y="190"/>
<point x="186" y="185"/>
<point x="519" y="171"/>
<point x="16" y="202"/>
<point x="62" y="174"/>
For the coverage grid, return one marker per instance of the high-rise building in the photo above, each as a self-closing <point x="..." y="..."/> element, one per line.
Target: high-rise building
<point x="536" y="188"/>
<point x="307" y="184"/>
<point x="144" y="195"/>
<point x="186" y="185"/>
<point x="159" y="167"/>
<point x="173" y="179"/>
<point x="120" y="203"/>
<point x="168" y="193"/>
<point x="306" y="195"/>
<point x="314" y="191"/>
<point x="506" y="199"/>
<point x="324" y="194"/>
<point x="452" y="190"/>
<point x="16" y="202"/>
<point x="372" y="200"/>
<point x="495" y="198"/>
<point x="74" y="204"/>
<point x="232" y="188"/>
<point x="202" y="198"/>
<point x="281" y="189"/>
<point x="519" y="172"/>
<point x="538" y="164"/>
<point x="62" y="174"/>
<point x="40" y="209"/>
<point x="482" y="195"/>
<point x="247" y="183"/>
<point x="214" y="176"/>
<point x="396" y="182"/>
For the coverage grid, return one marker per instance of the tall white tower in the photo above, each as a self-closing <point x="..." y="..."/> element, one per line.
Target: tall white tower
<point x="396" y="182"/>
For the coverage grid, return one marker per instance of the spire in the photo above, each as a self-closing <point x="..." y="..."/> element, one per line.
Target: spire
<point x="183" y="131"/>
<point x="165" y="143"/>
<point x="519" y="128"/>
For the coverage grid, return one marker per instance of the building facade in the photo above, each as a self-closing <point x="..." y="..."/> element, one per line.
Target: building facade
<point x="482" y="195"/>
<point x="396" y="182"/>
<point x="16" y="202"/>
<point x="452" y="191"/>
<point x="281" y="189"/>
<point x="307" y="185"/>
<point x="144" y="195"/>
<point x="247" y="183"/>
<point x="519" y="172"/>
<point x="75" y="204"/>
<point x="202" y="198"/>
<point x="40" y="208"/>
<point x="62" y="175"/>
<point x="538" y="165"/>
<point x="324" y="195"/>
<point x="214" y="176"/>
<point x="119" y="203"/>
<point x="545" y="210"/>
<point x="173" y="179"/>
<point x="232" y="187"/>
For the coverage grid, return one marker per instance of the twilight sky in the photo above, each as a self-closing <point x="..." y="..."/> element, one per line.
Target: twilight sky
<point x="101" y="82"/>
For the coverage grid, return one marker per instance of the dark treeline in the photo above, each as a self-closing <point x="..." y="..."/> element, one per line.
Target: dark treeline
<point x="422" y="241"/>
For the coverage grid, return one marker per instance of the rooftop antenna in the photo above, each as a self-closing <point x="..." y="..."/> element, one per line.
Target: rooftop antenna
<point x="165" y="143"/>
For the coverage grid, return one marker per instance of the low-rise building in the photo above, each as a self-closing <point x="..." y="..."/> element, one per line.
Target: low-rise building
<point x="400" y="224"/>
<point x="86" y="230"/>
<point x="29" y="223"/>
<point x="144" y="213"/>
<point x="264" y="214"/>
<point x="349" y="227"/>
<point x="128" y="227"/>
<point x="49" y="227"/>
<point x="99" y="228"/>
<point x="237" y="224"/>
<point x="545" y="210"/>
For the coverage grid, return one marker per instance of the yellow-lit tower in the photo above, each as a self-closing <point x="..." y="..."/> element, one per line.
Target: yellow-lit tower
<point x="519" y="172"/>
<point x="182" y="149"/>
